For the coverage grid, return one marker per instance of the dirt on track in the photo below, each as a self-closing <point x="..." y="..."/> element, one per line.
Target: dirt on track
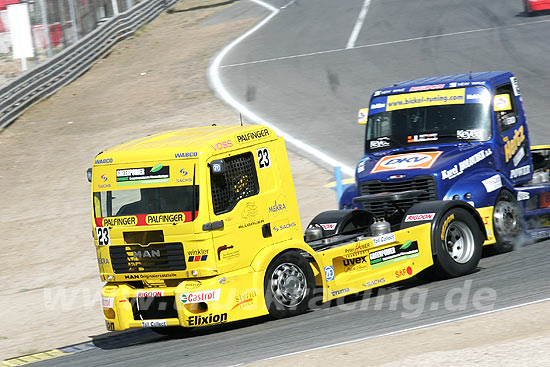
<point x="152" y="83"/>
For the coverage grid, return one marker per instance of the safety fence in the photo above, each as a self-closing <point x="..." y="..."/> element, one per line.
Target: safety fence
<point x="67" y="65"/>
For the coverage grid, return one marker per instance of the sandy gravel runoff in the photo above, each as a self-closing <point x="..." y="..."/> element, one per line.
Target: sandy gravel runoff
<point x="152" y="83"/>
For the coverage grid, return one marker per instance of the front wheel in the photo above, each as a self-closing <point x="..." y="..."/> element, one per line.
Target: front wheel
<point x="507" y="222"/>
<point x="458" y="244"/>
<point x="289" y="285"/>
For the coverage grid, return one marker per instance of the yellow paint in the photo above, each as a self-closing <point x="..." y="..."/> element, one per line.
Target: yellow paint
<point x="363" y="116"/>
<point x="513" y="144"/>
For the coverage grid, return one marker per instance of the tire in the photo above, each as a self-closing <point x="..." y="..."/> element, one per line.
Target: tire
<point x="458" y="243"/>
<point x="507" y="222"/>
<point x="289" y="285"/>
<point x="173" y="331"/>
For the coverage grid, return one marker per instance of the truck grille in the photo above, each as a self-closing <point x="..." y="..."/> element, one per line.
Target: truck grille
<point x="153" y="258"/>
<point x="379" y="209"/>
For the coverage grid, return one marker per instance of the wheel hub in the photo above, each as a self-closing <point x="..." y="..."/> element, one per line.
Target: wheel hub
<point x="506" y="218"/>
<point x="288" y="284"/>
<point x="459" y="241"/>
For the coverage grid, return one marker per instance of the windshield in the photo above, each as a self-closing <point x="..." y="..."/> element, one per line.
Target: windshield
<point x="145" y="201"/>
<point x="421" y="118"/>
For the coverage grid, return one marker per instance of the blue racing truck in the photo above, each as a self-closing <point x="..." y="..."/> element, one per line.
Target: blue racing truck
<point x="454" y="137"/>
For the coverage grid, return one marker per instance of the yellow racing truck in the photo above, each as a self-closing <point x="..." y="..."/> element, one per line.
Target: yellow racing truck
<point x="201" y="226"/>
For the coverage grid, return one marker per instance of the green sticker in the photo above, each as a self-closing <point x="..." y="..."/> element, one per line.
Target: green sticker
<point x="406" y="245"/>
<point x="157" y="167"/>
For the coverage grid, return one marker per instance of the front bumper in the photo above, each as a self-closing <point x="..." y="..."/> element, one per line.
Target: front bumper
<point x="230" y="297"/>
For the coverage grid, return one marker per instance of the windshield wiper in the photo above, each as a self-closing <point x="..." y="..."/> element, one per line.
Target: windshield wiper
<point x="454" y="136"/>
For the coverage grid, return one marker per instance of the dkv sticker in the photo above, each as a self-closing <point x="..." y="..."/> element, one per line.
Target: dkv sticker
<point x="406" y="161"/>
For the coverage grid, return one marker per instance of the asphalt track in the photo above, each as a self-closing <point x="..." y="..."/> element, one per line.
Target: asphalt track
<point x="296" y="73"/>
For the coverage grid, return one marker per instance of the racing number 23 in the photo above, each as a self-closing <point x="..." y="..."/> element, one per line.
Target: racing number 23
<point x="263" y="158"/>
<point x="103" y="238"/>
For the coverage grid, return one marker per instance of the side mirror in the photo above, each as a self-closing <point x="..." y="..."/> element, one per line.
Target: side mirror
<point x="363" y="116"/>
<point x="89" y="174"/>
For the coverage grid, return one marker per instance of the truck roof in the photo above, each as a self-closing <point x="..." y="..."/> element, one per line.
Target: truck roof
<point x="186" y="143"/>
<point x="490" y="79"/>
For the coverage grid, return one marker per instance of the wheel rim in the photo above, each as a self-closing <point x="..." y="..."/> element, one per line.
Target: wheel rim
<point x="506" y="219"/>
<point x="288" y="284"/>
<point x="459" y="242"/>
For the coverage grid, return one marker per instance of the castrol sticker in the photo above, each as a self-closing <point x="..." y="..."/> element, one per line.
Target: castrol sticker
<point x="406" y="161"/>
<point x="328" y="226"/>
<point x="419" y="217"/>
<point x="204" y="296"/>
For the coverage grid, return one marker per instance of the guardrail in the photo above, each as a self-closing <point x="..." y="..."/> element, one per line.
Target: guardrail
<point x="60" y="70"/>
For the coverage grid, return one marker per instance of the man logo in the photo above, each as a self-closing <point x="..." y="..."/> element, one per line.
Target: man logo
<point x="146" y="254"/>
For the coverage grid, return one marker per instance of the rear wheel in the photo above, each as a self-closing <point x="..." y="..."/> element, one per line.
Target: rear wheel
<point x="458" y="244"/>
<point x="289" y="285"/>
<point x="507" y="222"/>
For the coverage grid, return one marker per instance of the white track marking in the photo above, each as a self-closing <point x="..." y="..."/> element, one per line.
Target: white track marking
<point x="405" y="330"/>
<point x="384" y="43"/>
<point x="358" y="24"/>
<point x="287" y="5"/>
<point x="223" y="93"/>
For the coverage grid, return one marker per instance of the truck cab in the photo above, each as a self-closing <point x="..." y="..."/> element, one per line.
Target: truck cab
<point x="455" y="137"/>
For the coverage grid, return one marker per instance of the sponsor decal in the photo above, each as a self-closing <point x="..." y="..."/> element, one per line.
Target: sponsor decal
<point x="359" y="249"/>
<point x="513" y="144"/>
<point x="426" y="87"/>
<point x="515" y="85"/>
<point x="153" y="323"/>
<point x="375" y="106"/>
<point x="539" y="235"/>
<point x="459" y="169"/>
<point x="476" y="134"/>
<point x="421" y="138"/>
<point x="361" y="166"/>
<point x="419" y="217"/>
<point x="104" y="178"/>
<point x="197" y="255"/>
<point x="502" y="102"/>
<point x="203" y="296"/>
<point x="284" y="226"/>
<point x="522" y="195"/>
<point x="245" y="300"/>
<point x="184" y="173"/>
<point x="223" y="248"/>
<point x="377" y="93"/>
<point x="252" y="135"/>
<point x="449" y="219"/>
<point x="329" y="273"/>
<point x="250" y="224"/>
<point x="403" y="272"/>
<point x="192" y="284"/>
<point x="519" y="156"/>
<point x="207" y="320"/>
<point x="263" y="158"/>
<point x="374" y="283"/>
<point x="103" y="236"/>
<point x="520" y="171"/>
<point x="383" y="239"/>
<point x="422" y="99"/>
<point x="119" y="221"/>
<point x="164" y="218"/>
<point x="186" y="155"/>
<point x="144" y="294"/>
<point x="102" y="261"/>
<point x="328" y="226"/>
<point x="110" y="325"/>
<point x="250" y="211"/>
<point x="104" y="161"/>
<point x="108" y="302"/>
<point x="355" y="261"/>
<point x="492" y="183"/>
<point x="339" y="292"/>
<point x="277" y="207"/>
<point x="226" y="144"/>
<point x="406" y="161"/>
<point x="137" y="176"/>
<point x="375" y="144"/>
<point x="393" y="254"/>
<point x="149" y="276"/>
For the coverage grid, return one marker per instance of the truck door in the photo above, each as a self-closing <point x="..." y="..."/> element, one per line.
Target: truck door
<point x="513" y="131"/>
<point x="239" y="214"/>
